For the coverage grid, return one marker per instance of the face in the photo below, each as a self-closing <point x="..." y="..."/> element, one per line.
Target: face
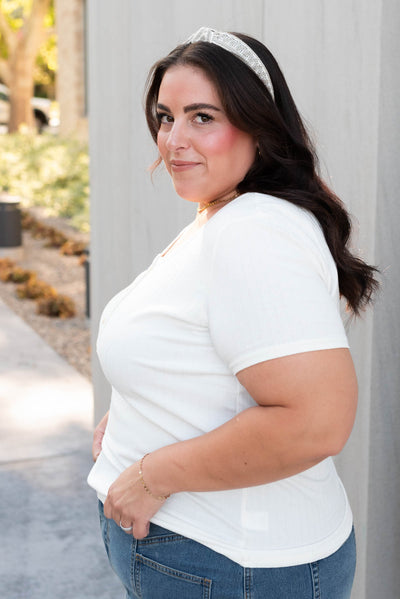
<point x="204" y="153"/>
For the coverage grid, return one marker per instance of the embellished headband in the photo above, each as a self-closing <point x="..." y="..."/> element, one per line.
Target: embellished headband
<point x="234" y="45"/>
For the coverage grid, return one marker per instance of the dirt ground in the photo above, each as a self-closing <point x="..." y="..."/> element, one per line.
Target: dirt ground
<point x="69" y="337"/>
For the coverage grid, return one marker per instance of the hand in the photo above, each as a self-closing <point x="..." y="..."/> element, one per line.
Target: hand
<point x="127" y="503"/>
<point x="98" y="436"/>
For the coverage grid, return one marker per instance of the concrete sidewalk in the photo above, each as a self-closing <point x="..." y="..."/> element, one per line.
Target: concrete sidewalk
<point x="50" y="545"/>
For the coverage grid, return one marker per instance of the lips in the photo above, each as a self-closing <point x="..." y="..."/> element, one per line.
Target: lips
<point x="182" y="165"/>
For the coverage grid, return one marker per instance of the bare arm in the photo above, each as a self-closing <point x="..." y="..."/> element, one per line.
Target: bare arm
<point x="305" y="413"/>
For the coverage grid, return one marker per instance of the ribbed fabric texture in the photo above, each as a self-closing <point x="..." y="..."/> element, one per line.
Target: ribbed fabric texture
<point x="256" y="282"/>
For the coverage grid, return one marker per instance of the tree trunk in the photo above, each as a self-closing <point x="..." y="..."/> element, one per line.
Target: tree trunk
<point x="21" y="90"/>
<point x="22" y="61"/>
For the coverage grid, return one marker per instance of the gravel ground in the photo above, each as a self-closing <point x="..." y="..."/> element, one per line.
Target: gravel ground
<point x="69" y="337"/>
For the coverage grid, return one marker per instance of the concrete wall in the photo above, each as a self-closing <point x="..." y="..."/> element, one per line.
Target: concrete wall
<point x="384" y="447"/>
<point x="340" y="61"/>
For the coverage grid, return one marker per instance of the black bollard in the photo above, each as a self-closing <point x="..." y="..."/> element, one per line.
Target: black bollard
<point x="10" y="222"/>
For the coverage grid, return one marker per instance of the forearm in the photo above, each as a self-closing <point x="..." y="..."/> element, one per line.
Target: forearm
<point x="260" y="445"/>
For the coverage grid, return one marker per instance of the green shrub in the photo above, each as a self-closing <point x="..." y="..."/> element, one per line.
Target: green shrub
<point x="48" y="171"/>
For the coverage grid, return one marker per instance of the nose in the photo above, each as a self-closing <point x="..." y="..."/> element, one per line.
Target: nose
<point x="178" y="137"/>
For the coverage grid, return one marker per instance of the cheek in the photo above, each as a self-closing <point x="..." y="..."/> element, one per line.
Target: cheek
<point x="222" y="142"/>
<point x="232" y="149"/>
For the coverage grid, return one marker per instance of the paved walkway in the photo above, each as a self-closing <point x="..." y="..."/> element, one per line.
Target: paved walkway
<point x="50" y="545"/>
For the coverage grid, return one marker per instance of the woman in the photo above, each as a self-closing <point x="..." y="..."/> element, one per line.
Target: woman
<point x="232" y="380"/>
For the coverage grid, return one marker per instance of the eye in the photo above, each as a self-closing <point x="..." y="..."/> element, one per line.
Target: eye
<point x="203" y="118"/>
<point x="164" y="118"/>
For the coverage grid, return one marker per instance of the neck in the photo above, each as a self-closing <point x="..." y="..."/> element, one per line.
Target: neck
<point x="201" y="209"/>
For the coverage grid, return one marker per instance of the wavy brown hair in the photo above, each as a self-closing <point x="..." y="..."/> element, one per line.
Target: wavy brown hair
<point x="286" y="165"/>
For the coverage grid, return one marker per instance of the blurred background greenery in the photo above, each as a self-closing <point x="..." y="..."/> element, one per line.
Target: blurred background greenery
<point x="49" y="171"/>
<point x="15" y="14"/>
<point x="43" y="110"/>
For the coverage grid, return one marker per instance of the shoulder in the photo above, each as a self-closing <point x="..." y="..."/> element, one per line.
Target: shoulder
<point x="257" y="218"/>
<point x="272" y="287"/>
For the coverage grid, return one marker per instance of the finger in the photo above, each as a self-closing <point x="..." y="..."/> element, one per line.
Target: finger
<point x="96" y="449"/>
<point x="108" y="509"/>
<point x="127" y="528"/>
<point x="140" y="530"/>
<point x="96" y="446"/>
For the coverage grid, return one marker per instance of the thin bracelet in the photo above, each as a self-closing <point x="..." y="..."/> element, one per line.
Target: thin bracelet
<point x="146" y="488"/>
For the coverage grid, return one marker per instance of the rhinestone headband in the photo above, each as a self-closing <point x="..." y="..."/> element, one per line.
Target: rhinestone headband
<point x="235" y="45"/>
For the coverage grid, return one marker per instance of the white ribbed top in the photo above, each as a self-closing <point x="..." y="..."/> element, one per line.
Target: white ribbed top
<point x="255" y="283"/>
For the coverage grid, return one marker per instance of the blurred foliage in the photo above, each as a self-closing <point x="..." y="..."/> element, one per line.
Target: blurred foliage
<point x="54" y="237"/>
<point x="46" y="60"/>
<point x="45" y="69"/>
<point x="35" y="289"/>
<point x="47" y="171"/>
<point x="16" y="12"/>
<point x="48" y="301"/>
<point x="59" y="306"/>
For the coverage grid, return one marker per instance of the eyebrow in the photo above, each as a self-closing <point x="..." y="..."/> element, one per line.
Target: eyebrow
<point x="191" y="107"/>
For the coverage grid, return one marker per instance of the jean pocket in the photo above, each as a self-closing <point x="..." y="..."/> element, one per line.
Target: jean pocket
<point x="154" y="580"/>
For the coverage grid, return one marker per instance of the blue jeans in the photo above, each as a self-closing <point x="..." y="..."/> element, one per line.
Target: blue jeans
<point x="166" y="565"/>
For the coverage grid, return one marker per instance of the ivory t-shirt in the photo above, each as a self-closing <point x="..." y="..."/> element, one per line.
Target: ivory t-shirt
<point x="256" y="282"/>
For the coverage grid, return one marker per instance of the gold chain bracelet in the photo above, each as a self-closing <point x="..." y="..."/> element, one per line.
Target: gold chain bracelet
<point x="146" y="488"/>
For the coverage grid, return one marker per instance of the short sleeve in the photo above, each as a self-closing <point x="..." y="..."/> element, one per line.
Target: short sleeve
<point x="272" y="290"/>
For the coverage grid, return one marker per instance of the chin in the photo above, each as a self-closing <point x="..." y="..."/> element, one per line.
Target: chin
<point x="187" y="195"/>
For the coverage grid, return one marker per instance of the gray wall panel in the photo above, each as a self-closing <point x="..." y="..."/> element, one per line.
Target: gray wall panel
<point x="384" y="451"/>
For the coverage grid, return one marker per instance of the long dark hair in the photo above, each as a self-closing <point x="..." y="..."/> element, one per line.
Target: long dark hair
<point x="286" y="165"/>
